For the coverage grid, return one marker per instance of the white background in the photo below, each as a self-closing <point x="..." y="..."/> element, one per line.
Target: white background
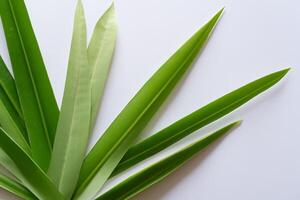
<point x="259" y="160"/>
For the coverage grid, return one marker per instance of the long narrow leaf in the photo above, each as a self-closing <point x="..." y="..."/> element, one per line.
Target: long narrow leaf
<point x="29" y="173"/>
<point x="197" y="120"/>
<point x="116" y="140"/>
<point x="15" y="188"/>
<point x="37" y="99"/>
<point x="156" y="172"/>
<point x="100" y="53"/>
<point x="74" y="120"/>
<point x="7" y="83"/>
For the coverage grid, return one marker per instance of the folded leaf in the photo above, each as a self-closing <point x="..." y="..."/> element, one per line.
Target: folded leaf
<point x="100" y="53"/>
<point x="7" y="83"/>
<point x="156" y="172"/>
<point x="196" y="120"/>
<point x="37" y="99"/>
<point x="29" y="173"/>
<point x="116" y="140"/>
<point x="74" y="120"/>
<point x="15" y="188"/>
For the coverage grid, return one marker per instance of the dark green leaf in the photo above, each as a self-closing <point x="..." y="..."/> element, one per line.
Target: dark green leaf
<point x="37" y="100"/>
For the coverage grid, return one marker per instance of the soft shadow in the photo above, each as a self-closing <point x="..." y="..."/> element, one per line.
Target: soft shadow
<point x="161" y="189"/>
<point x="4" y="195"/>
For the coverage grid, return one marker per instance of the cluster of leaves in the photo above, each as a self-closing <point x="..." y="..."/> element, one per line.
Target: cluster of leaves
<point x="43" y="148"/>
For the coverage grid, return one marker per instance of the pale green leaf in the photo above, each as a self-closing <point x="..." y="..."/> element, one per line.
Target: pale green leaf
<point x="100" y="53"/>
<point x="74" y="120"/>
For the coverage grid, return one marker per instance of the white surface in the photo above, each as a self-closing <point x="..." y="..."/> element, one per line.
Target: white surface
<point x="260" y="160"/>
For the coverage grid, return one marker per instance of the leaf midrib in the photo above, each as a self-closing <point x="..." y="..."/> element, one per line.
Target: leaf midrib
<point x="72" y="123"/>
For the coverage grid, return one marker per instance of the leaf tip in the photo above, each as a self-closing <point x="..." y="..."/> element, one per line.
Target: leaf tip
<point x="237" y="123"/>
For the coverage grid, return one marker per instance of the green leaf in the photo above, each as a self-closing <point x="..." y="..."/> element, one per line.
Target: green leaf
<point x="7" y="83"/>
<point x="156" y="172"/>
<point x="116" y="140"/>
<point x="74" y="120"/>
<point x="28" y="172"/>
<point x="37" y="100"/>
<point x="196" y="120"/>
<point x="10" y="119"/>
<point x="15" y="188"/>
<point x="100" y="53"/>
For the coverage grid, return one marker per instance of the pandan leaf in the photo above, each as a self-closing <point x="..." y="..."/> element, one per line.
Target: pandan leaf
<point x="109" y="150"/>
<point x="197" y="120"/>
<point x="156" y="172"/>
<point x="15" y="188"/>
<point x="100" y="53"/>
<point x="36" y="96"/>
<point x="74" y="120"/>
<point x="7" y="83"/>
<point x="29" y="173"/>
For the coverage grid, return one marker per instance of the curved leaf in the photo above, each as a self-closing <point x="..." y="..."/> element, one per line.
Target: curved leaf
<point x="116" y="140"/>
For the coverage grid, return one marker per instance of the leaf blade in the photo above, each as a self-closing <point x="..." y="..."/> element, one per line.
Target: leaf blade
<point x="197" y="120"/>
<point x="109" y="150"/>
<point x="156" y="172"/>
<point x="100" y="53"/>
<point x="74" y="120"/>
<point x="37" y="99"/>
